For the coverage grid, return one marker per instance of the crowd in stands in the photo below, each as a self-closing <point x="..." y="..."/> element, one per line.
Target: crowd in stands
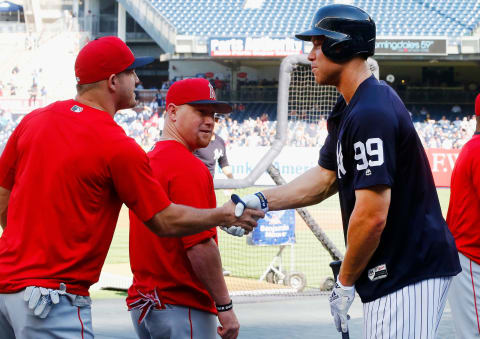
<point x="19" y="85"/>
<point x="145" y="122"/>
<point x="8" y="122"/>
<point x="444" y="133"/>
<point x="146" y="125"/>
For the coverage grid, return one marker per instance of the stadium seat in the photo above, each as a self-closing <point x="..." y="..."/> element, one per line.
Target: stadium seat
<point x="284" y="17"/>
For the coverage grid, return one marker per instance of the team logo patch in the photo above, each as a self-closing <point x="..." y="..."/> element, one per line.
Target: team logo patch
<point x="212" y="92"/>
<point x="379" y="272"/>
<point x="368" y="172"/>
<point x="340" y="168"/>
<point x="76" y="109"/>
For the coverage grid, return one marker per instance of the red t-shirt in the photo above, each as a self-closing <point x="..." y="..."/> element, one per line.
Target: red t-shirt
<point x="463" y="216"/>
<point x="69" y="168"/>
<point x="162" y="264"/>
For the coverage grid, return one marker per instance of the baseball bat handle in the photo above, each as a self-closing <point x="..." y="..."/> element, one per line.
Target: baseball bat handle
<point x="335" y="265"/>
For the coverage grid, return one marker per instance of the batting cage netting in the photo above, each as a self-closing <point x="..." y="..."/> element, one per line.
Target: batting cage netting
<point x="290" y="251"/>
<point x="307" y="101"/>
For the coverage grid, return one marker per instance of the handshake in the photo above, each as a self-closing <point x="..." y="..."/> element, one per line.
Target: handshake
<point x="254" y="201"/>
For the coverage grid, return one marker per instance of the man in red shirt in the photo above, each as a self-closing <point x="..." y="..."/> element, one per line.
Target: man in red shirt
<point x="178" y="286"/>
<point x="463" y="219"/>
<point x="64" y="174"/>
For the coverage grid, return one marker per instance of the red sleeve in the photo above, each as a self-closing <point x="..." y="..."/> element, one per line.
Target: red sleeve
<point x="195" y="191"/>
<point x="195" y="239"/>
<point x="134" y="182"/>
<point x="8" y="162"/>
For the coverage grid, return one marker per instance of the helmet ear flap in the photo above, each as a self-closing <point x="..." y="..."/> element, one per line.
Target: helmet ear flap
<point x="337" y="51"/>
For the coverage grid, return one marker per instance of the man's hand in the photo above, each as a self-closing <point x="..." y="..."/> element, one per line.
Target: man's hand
<point x="256" y="201"/>
<point x="340" y="301"/>
<point x="247" y="220"/>
<point x="229" y="325"/>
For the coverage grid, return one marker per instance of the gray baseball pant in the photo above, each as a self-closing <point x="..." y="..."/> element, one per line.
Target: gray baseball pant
<point x="71" y="318"/>
<point x="175" y="322"/>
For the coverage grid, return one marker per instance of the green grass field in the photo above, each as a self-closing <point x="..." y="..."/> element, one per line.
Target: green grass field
<point x="247" y="261"/>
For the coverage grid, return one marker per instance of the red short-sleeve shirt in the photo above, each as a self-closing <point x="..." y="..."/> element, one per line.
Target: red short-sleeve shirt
<point x="69" y="168"/>
<point x="463" y="215"/>
<point x="160" y="263"/>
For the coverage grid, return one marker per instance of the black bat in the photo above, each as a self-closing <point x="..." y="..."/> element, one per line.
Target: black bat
<point x="335" y="265"/>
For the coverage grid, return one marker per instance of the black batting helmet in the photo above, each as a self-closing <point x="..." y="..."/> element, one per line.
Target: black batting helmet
<point x="348" y="31"/>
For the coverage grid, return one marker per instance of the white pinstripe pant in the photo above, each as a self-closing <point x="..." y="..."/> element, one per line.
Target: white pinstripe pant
<point x="409" y="313"/>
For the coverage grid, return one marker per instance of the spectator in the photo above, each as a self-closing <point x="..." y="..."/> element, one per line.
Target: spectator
<point x="214" y="153"/>
<point x="423" y="113"/>
<point x="456" y="109"/>
<point x="33" y="95"/>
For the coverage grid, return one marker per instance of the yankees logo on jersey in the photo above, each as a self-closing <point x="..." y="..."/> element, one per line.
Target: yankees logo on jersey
<point x="341" y="170"/>
<point x="217" y="153"/>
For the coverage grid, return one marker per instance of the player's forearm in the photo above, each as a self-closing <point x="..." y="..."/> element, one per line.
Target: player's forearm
<point x="180" y="220"/>
<point x="227" y="170"/>
<point x="207" y="266"/>
<point x="365" y="229"/>
<point x="363" y="238"/>
<point x="4" y="199"/>
<point x="3" y="219"/>
<point x="312" y="187"/>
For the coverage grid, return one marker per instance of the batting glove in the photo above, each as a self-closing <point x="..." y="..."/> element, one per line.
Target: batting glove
<point x="41" y="299"/>
<point x="340" y="301"/>
<point x="255" y="201"/>
<point x="236" y="231"/>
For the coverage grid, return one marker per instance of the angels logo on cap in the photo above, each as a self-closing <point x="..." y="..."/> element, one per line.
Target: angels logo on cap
<point x="196" y="91"/>
<point x="212" y="92"/>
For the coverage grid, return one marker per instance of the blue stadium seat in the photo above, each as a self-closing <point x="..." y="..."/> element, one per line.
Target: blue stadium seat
<point x="285" y="17"/>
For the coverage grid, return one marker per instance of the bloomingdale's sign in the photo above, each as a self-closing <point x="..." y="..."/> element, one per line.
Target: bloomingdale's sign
<point x="411" y="46"/>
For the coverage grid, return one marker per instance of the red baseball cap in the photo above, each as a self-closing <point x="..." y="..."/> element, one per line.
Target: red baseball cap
<point x="103" y="57"/>
<point x="195" y="91"/>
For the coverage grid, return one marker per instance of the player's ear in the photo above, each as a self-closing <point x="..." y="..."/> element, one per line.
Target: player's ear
<point x="111" y="81"/>
<point x="172" y="111"/>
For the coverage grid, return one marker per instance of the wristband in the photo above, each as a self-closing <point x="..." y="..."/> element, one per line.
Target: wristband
<point x="263" y="201"/>
<point x="346" y="288"/>
<point x="224" y="308"/>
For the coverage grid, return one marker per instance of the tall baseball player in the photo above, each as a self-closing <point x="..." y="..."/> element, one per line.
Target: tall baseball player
<point x="463" y="219"/>
<point x="178" y="287"/>
<point x="64" y="174"/>
<point x="400" y="255"/>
